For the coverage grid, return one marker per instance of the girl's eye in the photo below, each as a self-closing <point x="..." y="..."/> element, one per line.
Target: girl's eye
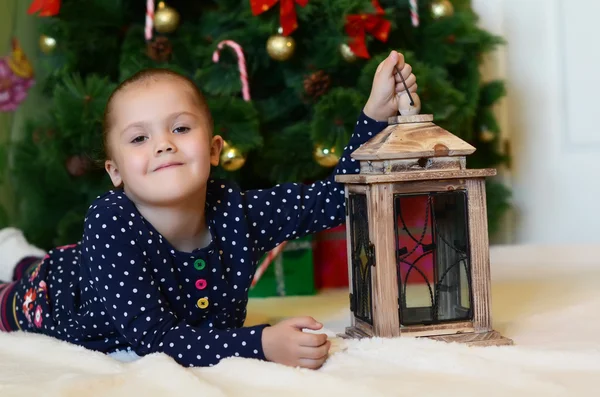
<point x="181" y="130"/>
<point x="139" y="139"/>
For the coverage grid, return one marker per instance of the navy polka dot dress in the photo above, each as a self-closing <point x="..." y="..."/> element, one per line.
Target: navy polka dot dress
<point x="124" y="287"/>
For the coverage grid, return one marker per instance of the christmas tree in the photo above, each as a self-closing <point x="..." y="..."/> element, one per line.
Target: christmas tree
<point x="285" y="81"/>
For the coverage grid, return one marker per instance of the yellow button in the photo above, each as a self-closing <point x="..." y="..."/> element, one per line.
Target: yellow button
<point x="202" y="303"/>
<point x="199" y="264"/>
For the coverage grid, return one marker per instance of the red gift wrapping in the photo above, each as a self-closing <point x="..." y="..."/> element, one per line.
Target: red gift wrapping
<point x="331" y="258"/>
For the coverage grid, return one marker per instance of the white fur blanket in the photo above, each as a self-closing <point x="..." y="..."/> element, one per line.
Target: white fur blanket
<point x="548" y="301"/>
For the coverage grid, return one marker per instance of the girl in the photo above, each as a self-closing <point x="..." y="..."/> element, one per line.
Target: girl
<point x="167" y="257"/>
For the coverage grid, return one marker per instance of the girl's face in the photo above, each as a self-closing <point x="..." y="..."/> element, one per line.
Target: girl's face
<point x="160" y="142"/>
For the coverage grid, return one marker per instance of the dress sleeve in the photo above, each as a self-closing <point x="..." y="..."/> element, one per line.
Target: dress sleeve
<point x="120" y="274"/>
<point x="293" y="210"/>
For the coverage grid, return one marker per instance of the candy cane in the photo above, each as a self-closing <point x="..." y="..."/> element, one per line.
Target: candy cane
<point x="241" y="64"/>
<point x="414" y="13"/>
<point x="149" y="19"/>
<point x="266" y="262"/>
<point x="279" y="275"/>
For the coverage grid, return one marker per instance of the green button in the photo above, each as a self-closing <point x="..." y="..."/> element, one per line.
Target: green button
<point x="199" y="264"/>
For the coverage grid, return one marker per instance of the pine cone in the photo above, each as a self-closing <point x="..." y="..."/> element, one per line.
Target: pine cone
<point x="160" y="49"/>
<point x="317" y="84"/>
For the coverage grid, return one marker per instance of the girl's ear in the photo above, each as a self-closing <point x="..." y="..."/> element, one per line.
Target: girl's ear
<point x="216" y="145"/>
<point x="113" y="172"/>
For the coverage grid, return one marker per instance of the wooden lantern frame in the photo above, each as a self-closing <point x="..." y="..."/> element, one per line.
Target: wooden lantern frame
<point x="413" y="155"/>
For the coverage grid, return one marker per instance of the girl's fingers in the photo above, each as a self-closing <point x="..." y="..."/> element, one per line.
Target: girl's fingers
<point x="314" y="353"/>
<point x="410" y="83"/>
<point x="307" y="339"/>
<point x="406" y="72"/>
<point x="311" y="364"/>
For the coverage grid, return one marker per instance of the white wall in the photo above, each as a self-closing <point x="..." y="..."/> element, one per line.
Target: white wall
<point x="550" y="67"/>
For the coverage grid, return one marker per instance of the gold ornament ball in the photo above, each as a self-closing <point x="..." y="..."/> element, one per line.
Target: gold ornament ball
<point x="347" y="54"/>
<point x="47" y="44"/>
<point x="487" y="136"/>
<point x="326" y="157"/>
<point x="442" y="9"/>
<point x="231" y="158"/>
<point x="166" y="19"/>
<point x="280" y="48"/>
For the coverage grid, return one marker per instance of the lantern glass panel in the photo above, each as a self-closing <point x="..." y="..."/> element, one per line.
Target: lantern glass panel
<point x="432" y="252"/>
<point x="361" y="258"/>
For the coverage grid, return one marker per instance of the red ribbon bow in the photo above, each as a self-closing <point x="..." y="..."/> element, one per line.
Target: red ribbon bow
<point x="46" y="8"/>
<point x="287" y="12"/>
<point x="358" y="25"/>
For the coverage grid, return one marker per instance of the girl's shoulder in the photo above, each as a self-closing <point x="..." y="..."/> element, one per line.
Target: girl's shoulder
<point x="222" y="190"/>
<point x="112" y="203"/>
<point x="113" y="215"/>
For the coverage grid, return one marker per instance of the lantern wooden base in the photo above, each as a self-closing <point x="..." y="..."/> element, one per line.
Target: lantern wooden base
<point x="491" y="338"/>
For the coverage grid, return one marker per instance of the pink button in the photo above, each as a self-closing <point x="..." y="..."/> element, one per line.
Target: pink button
<point x="201" y="283"/>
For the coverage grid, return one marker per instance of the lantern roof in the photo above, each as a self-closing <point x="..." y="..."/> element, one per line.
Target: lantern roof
<point x="409" y="137"/>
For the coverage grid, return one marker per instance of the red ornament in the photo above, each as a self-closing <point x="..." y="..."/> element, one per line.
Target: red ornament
<point x="78" y="165"/>
<point x="358" y="25"/>
<point x="46" y="8"/>
<point x="287" y="12"/>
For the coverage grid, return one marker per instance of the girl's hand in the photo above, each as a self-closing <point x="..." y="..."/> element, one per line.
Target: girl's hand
<point x="387" y="87"/>
<point x="285" y="343"/>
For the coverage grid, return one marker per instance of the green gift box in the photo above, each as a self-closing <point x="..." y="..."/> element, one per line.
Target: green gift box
<point x="291" y="273"/>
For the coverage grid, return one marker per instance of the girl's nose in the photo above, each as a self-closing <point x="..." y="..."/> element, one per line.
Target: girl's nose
<point x="161" y="149"/>
<point x="165" y="145"/>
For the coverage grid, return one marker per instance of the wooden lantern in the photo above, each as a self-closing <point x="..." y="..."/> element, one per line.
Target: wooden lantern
<point x="418" y="250"/>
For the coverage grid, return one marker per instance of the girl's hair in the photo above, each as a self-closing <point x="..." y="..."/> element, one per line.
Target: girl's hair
<point x="151" y="74"/>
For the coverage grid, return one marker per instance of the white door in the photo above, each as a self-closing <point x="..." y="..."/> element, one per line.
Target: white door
<point x="551" y="64"/>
